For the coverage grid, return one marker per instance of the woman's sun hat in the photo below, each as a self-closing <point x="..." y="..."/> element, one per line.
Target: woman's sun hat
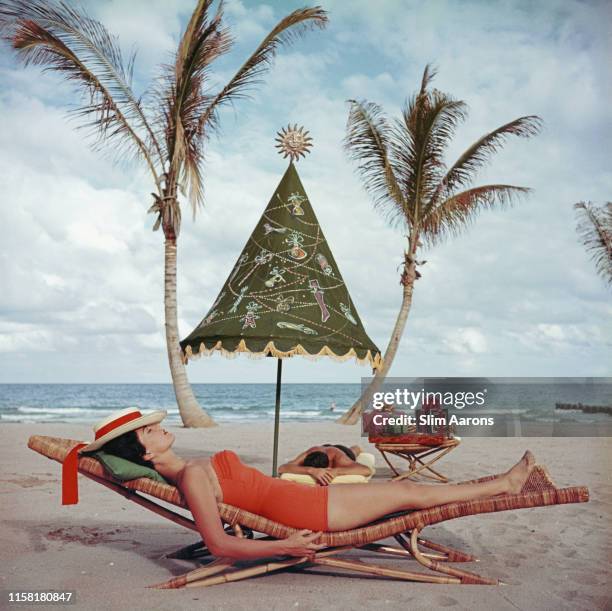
<point x="115" y="425"/>
<point x="119" y="422"/>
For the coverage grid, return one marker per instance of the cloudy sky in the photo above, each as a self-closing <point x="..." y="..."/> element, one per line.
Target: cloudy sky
<point x="515" y="294"/>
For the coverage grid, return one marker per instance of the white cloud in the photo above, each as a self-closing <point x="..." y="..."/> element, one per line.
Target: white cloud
<point x="466" y="340"/>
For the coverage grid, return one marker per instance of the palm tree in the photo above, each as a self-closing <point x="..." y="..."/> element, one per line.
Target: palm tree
<point x="401" y="164"/>
<point x="166" y="127"/>
<point x="595" y="229"/>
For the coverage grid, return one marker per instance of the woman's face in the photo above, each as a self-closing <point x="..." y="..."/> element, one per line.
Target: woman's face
<point x="154" y="438"/>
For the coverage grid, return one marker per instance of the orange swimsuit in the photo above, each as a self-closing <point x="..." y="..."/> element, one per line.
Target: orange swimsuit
<point x="290" y="503"/>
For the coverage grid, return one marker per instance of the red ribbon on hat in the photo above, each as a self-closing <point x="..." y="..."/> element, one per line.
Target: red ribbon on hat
<point x="70" y="466"/>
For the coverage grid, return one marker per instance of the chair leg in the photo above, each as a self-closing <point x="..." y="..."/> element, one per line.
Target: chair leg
<point x="372" y="569"/>
<point x="414" y="460"/>
<point x="464" y="576"/>
<point x="391" y="466"/>
<point x="260" y="569"/>
<point x="435" y="475"/>
<point x="181" y="581"/>
<point x="452" y="555"/>
<point x="240" y="574"/>
<point x="410" y="471"/>
<point x="397" y="551"/>
<point x="427" y="465"/>
<point x="447" y="554"/>
<point x="321" y="559"/>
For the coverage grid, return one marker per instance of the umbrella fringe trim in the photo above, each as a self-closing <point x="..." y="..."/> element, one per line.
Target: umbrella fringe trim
<point x="271" y="349"/>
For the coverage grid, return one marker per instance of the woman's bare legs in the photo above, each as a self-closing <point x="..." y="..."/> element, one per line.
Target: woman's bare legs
<point x="352" y="505"/>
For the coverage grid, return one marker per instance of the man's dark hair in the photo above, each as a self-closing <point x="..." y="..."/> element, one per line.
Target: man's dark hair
<point x="316" y="459"/>
<point x="346" y="450"/>
<point x="129" y="447"/>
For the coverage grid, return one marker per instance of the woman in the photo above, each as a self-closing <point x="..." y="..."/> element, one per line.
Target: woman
<point x="206" y="482"/>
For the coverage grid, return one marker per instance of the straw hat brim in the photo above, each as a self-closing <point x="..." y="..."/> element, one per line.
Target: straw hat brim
<point x="152" y="418"/>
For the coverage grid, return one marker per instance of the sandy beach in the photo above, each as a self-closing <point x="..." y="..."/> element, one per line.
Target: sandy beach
<point x="109" y="549"/>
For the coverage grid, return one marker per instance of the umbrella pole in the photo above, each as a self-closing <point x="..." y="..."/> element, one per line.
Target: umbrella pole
<point x="279" y="373"/>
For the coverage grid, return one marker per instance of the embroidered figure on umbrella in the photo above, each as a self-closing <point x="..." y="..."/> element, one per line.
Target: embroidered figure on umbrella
<point x="210" y="317"/>
<point x="319" y="296"/>
<point x="347" y="313"/>
<point x="248" y="320"/>
<point x="295" y="200"/>
<point x="265" y="256"/>
<point x="323" y="264"/>
<point x="276" y="276"/>
<point x="238" y="299"/>
<point x="295" y="240"/>
<point x="269" y="229"/>
<point x="284" y="303"/>
<point x="301" y="327"/>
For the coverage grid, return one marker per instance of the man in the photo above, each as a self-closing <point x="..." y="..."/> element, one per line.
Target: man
<point x="325" y="462"/>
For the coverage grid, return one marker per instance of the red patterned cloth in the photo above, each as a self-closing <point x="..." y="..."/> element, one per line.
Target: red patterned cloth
<point x="421" y="438"/>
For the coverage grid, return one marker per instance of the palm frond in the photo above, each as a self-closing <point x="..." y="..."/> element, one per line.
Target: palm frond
<point x="286" y="31"/>
<point x="429" y="74"/>
<point x="595" y="230"/>
<point x="367" y="142"/>
<point x="420" y="140"/>
<point x="480" y="152"/>
<point x="66" y="40"/>
<point x="182" y="99"/>
<point x="452" y="215"/>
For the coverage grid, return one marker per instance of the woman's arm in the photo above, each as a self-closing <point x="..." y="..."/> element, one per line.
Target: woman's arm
<point x="200" y="497"/>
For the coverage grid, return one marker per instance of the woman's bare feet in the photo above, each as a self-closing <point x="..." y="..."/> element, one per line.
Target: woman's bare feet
<point x="517" y="476"/>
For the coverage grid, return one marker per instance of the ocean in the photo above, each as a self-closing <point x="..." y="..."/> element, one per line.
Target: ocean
<point x="255" y="402"/>
<point x="224" y="402"/>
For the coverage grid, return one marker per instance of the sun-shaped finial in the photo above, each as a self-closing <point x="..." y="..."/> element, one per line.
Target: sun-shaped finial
<point x="293" y="142"/>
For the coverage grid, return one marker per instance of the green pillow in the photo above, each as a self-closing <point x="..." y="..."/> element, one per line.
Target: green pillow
<point x="125" y="470"/>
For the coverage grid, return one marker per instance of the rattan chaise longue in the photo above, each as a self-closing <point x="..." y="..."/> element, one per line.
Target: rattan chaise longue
<point x="404" y="527"/>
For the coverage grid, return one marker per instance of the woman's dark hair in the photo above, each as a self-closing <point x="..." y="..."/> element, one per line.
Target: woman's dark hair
<point x="316" y="459"/>
<point x="346" y="450"/>
<point x="129" y="447"/>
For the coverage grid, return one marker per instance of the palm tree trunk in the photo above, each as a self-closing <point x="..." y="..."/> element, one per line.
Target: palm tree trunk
<point x="352" y="415"/>
<point x="192" y="414"/>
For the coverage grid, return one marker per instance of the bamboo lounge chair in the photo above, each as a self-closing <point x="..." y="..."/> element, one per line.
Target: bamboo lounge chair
<point x="404" y="527"/>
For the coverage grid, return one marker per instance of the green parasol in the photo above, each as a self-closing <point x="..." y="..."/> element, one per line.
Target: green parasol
<point x="285" y="294"/>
